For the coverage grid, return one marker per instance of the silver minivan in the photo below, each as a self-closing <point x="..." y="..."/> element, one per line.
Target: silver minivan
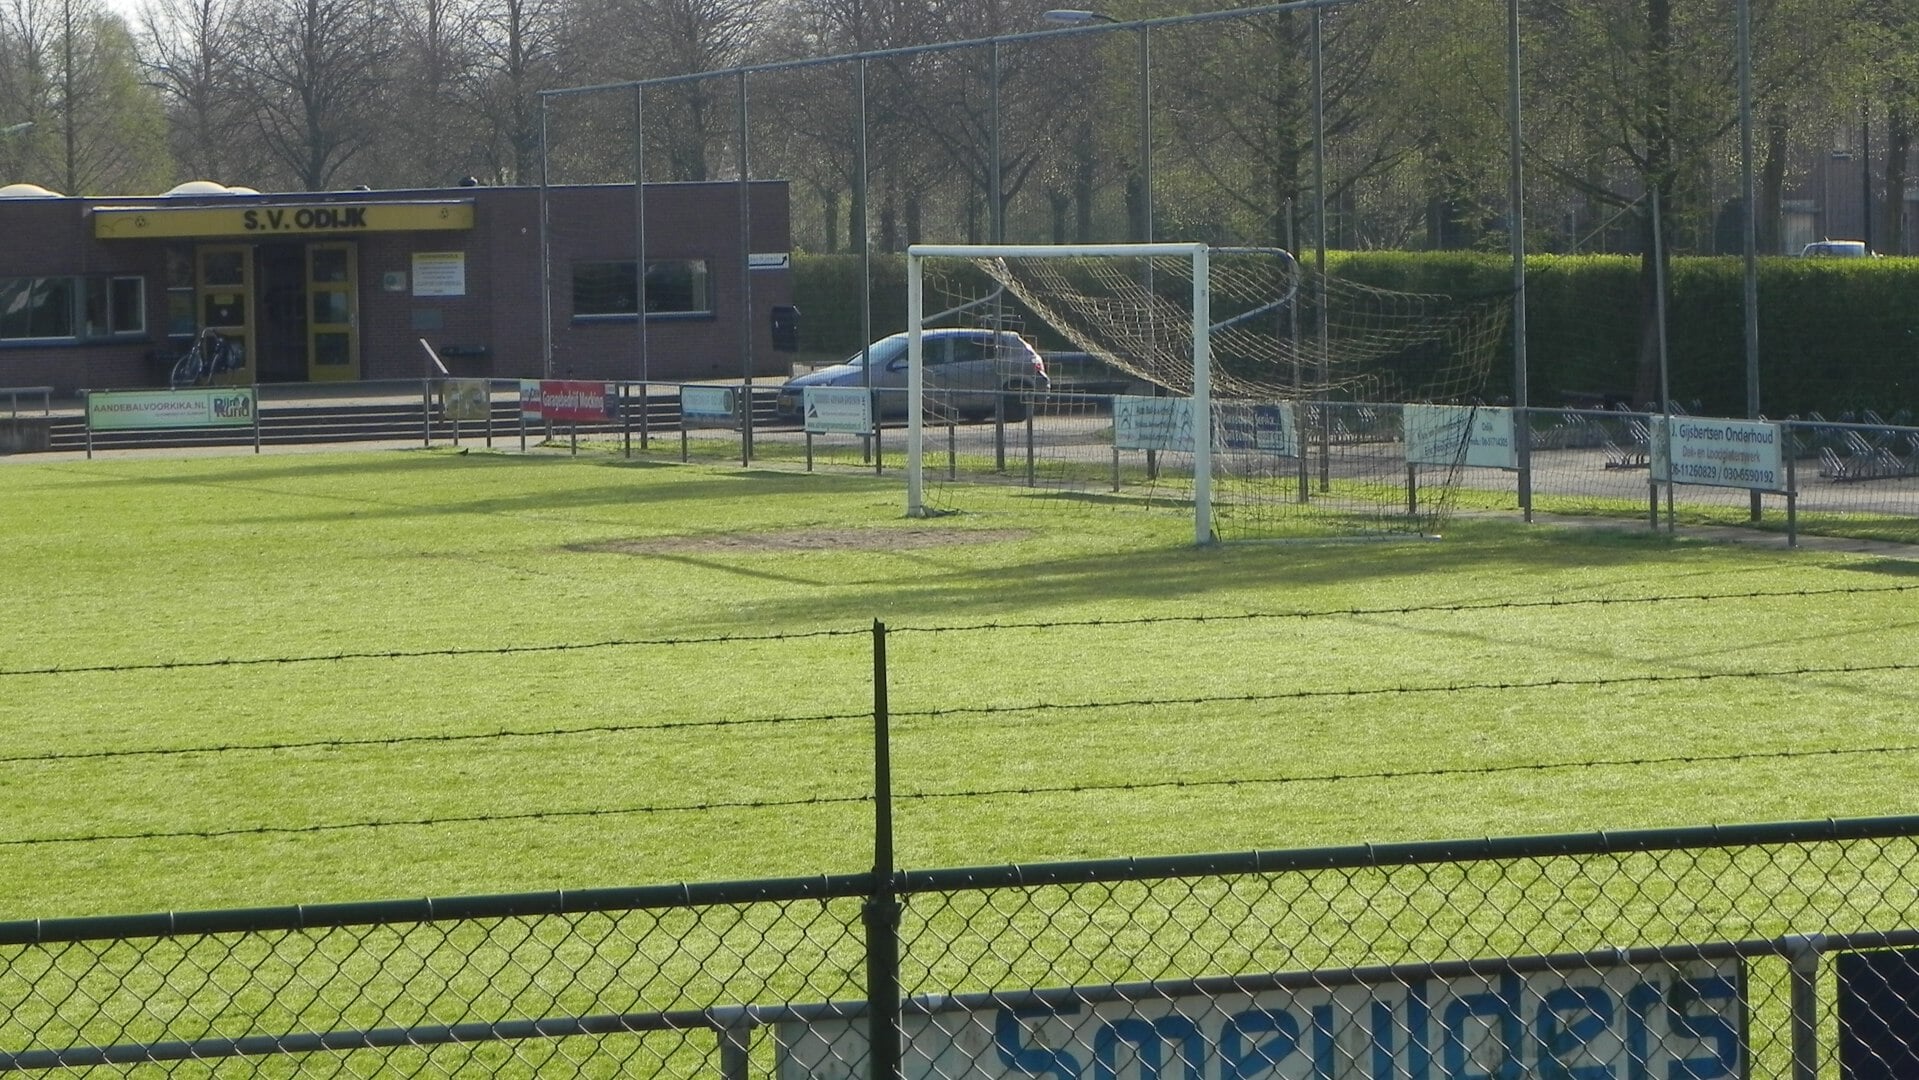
<point x="968" y="373"/>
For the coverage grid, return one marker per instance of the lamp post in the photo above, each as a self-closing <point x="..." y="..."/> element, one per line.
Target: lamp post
<point x="1080" y="17"/>
<point x="20" y="128"/>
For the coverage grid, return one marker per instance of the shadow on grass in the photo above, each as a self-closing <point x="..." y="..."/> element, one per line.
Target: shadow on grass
<point x="1080" y="560"/>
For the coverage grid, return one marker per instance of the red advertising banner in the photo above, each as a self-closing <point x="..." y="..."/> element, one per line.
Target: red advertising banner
<point x="569" y="399"/>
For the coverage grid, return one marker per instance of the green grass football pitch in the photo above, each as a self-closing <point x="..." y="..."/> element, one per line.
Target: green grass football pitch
<point x="236" y="681"/>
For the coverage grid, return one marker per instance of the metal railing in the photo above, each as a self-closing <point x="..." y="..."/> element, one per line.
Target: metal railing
<point x="1848" y="476"/>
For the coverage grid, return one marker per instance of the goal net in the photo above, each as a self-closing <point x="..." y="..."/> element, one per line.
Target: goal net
<point x="1231" y="383"/>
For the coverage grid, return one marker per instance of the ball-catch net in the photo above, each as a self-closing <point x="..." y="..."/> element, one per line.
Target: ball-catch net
<point x="1303" y="381"/>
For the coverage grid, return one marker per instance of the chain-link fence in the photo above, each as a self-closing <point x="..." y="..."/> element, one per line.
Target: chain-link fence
<point x="1503" y="143"/>
<point x="1756" y="951"/>
<point x="1352" y="467"/>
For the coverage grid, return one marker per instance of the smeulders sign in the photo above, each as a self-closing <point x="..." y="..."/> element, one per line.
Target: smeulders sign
<point x="1628" y="1021"/>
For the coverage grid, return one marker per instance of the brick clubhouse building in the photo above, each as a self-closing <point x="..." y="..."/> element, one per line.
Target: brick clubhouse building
<point x="506" y="282"/>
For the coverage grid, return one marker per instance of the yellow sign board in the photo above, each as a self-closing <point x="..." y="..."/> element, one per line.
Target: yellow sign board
<point x="258" y="219"/>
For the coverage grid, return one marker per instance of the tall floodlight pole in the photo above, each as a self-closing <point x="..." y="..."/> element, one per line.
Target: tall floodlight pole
<point x="744" y="165"/>
<point x="1516" y="226"/>
<point x="996" y="218"/>
<point x="1749" y="227"/>
<point x="546" y="258"/>
<point x="639" y="243"/>
<point x="1146" y="138"/>
<point x="1319" y="250"/>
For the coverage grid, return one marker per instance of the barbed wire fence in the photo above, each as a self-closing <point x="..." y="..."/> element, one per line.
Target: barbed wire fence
<point x="1711" y="951"/>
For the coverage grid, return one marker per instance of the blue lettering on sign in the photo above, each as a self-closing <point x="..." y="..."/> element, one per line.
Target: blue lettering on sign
<point x="1242" y="1064"/>
<point x="1569" y="1018"/>
<point x="1678" y="1029"/>
<point x="1013" y="1055"/>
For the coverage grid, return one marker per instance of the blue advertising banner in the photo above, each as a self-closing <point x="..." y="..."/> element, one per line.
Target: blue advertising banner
<point x="1879" y="1014"/>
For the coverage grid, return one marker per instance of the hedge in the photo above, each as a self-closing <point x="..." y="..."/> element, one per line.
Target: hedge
<point x="1835" y="335"/>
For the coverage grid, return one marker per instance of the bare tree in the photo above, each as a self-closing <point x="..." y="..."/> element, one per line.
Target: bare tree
<point x="515" y="54"/>
<point x="317" y="75"/>
<point x="433" y="134"/>
<point x="688" y="124"/>
<point x="191" y="47"/>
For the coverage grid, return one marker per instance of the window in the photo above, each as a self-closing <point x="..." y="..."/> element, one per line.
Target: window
<point x="79" y="308"/>
<point x="115" y="306"/>
<point x="677" y="286"/>
<point x="673" y="287"/>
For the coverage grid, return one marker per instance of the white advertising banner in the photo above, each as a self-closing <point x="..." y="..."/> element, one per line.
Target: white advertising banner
<point x="1476" y="435"/>
<point x="210" y="407"/>
<point x="1153" y="423"/>
<point x="707" y="406"/>
<point x="1718" y="453"/>
<point x="838" y="410"/>
<point x="1685" y="1018"/>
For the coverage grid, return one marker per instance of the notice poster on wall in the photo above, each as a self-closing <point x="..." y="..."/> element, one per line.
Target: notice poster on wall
<point x="439" y="273"/>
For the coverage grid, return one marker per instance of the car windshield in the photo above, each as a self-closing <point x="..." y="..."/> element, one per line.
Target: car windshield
<point x="883" y="352"/>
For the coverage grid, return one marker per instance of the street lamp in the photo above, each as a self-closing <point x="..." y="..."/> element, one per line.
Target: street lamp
<point x="1081" y="17"/>
<point x="20" y="128"/>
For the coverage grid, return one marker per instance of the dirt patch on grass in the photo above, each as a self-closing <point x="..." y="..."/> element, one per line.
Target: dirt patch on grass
<point x="806" y="540"/>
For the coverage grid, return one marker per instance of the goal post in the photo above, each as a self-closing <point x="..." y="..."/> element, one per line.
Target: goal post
<point x="1198" y="314"/>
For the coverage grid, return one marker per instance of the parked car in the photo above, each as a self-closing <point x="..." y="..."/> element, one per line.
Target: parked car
<point x="1084" y="373"/>
<point x="969" y="372"/>
<point x="1837" y="249"/>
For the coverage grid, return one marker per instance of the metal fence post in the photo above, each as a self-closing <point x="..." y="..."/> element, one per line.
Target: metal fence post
<point x="882" y="911"/>
<point x="735" y="1052"/>
<point x="1802" y="953"/>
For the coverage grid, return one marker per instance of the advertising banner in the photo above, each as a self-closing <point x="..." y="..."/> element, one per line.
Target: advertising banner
<point x="1718" y="453"/>
<point x="530" y="400"/>
<point x="466" y="399"/>
<point x="1878" y="1003"/>
<point x="208" y="407"/>
<point x="1153" y="423"/>
<point x="708" y="406"/>
<point x="1264" y="428"/>
<point x="838" y="410"/>
<point x="1477" y="435"/>
<point x="562" y="400"/>
<point x="1684" y="1018"/>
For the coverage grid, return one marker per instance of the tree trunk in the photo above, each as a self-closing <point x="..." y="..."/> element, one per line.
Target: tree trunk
<point x="1060" y="204"/>
<point x="1772" y="185"/>
<point x="830" y="215"/>
<point x="1892" y="222"/>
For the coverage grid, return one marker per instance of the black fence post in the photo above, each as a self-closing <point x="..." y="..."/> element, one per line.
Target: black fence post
<point x="882" y="911"/>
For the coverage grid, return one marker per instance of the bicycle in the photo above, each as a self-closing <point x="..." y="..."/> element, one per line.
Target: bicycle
<point x="211" y="354"/>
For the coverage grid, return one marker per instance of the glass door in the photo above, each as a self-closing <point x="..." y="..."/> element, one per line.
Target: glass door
<point x="333" y="344"/>
<point x="223" y="282"/>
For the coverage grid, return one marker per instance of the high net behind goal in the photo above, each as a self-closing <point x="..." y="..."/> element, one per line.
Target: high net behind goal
<point x="1228" y="382"/>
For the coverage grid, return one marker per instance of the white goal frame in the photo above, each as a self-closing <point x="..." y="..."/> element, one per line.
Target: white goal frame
<point x="1202" y="354"/>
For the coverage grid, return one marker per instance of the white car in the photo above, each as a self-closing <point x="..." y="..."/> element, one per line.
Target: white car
<point x="1837" y="249"/>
